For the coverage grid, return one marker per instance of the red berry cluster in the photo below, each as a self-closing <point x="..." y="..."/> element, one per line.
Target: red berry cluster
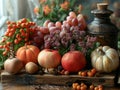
<point x="16" y="35"/>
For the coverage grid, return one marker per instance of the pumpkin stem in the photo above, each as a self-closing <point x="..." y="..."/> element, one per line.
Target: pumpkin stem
<point x="26" y="46"/>
<point x="100" y="51"/>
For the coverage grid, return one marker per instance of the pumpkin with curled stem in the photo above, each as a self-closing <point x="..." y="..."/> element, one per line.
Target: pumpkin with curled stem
<point x="105" y="59"/>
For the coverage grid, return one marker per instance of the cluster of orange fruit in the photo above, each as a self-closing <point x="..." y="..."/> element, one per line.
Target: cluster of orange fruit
<point x="89" y="73"/>
<point x="83" y="86"/>
<point x="16" y="33"/>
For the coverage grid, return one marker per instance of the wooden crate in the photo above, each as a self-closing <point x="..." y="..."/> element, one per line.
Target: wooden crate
<point x="27" y="79"/>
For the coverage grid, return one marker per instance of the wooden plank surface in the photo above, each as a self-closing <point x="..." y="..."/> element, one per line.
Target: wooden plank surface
<point x="32" y="82"/>
<point x="27" y="79"/>
<point x="46" y="87"/>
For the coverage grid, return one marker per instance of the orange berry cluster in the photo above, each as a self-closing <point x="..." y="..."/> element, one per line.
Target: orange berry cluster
<point x="89" y="73"/>
<point x="16" y="33"/>
<point x="82" y="86"/>
<point x="99" y="87"/>
<point x="77" y="86"/>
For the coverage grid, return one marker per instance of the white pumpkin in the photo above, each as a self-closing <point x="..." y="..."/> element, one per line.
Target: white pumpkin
<point x="105" y="59"/>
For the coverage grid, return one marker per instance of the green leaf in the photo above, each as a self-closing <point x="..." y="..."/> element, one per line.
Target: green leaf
<point x="78" y="48"/>
<point x="72" y="3"/>
<point x="97" y="44"/>
<point x="57" y="2"/>
<point x="2" y="59"/>
<point x="53" y="14"/>
<point x="41" y="11"/>
<point x="63" y="17"/>
<point x="63" y="50"/>
<point x="18" y="45"/>
<point x="1" y="65"/>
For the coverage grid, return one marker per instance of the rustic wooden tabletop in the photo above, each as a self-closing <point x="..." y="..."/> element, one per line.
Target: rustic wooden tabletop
<point x="11" y="86"/>
<point x="45" y="87"/>
<point x="7" y="82"/>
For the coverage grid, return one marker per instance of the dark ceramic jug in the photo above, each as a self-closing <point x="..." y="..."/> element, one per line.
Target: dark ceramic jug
<point x="101" y="27"/>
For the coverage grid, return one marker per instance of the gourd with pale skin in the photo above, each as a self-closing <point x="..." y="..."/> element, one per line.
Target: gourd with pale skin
<point x="105" y="59"/>
<point x="31" y="67"/>
<point x="13" y="65"/>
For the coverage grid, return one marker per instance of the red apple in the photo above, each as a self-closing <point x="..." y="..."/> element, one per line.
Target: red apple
<point x="73" y="61"/>
<point x="49" y="58"/>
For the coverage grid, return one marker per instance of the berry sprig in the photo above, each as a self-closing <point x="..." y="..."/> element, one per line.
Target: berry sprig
<point x="16" y="35"/>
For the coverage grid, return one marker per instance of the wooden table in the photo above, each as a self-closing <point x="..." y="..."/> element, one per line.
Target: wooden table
<point x="45" y="87"/>
<point x="11" y="86"/>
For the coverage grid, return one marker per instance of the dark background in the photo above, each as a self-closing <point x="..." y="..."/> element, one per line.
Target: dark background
<point x="89" y="5"/>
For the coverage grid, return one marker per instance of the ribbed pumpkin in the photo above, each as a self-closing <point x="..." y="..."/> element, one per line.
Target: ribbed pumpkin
<point x="105" y="59"/>
<point x="28" y="53"/>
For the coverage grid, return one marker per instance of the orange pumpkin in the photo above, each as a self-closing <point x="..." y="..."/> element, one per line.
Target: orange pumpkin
<point x="28" y="53"/>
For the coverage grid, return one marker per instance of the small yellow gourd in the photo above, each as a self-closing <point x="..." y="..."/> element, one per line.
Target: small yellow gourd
<point x="105" y="59"/>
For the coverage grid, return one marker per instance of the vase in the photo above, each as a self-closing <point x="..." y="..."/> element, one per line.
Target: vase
<point x="102" y="27"/>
